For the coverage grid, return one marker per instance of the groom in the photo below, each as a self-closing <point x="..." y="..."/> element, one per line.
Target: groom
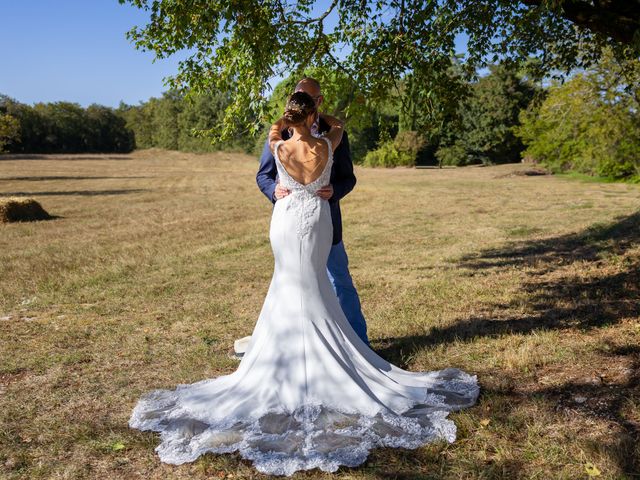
<point x="342" y="181"/>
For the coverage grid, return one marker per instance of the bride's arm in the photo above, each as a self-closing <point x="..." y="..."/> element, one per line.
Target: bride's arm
<point x="275" y="133"/>
<point x="335" y="132"/>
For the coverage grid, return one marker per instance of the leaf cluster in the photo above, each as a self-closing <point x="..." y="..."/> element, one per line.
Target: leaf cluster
<point x="239" y="46"/>
<point x="590" y="124"/>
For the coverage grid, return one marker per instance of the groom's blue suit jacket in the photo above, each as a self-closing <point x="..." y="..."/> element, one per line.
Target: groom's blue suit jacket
<point x="342" y="177"/>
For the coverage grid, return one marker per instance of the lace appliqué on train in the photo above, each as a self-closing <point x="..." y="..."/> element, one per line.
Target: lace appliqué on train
<point x="315" y="435"/>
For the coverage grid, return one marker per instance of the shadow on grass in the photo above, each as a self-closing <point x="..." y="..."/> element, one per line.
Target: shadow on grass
<point x="556" y="298"/>
<point x="75" y="192"/>
<point x="614" y="238"/>
<point x="62" y="156"/>
<point x="597" y="399"/>
<point x="608" y="401"/>
<point x="55" y="177"/>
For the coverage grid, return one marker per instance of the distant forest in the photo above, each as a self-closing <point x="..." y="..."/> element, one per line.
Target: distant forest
<point x="62" y="127"/>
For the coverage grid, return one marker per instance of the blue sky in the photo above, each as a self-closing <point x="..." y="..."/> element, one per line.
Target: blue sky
<point x="76" y="50"/>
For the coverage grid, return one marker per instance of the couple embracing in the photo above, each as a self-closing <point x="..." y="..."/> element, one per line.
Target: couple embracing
<point x="309" y="392"/>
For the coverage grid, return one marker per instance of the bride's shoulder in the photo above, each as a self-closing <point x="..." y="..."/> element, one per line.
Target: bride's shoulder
<point x="281" y="145"/>
<point x="285" y="150"/>
<point x="324" y="145"/>
<point x="320" y="142"/>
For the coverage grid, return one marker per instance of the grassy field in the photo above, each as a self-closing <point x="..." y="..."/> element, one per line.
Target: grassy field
<point x="156" y="261"/>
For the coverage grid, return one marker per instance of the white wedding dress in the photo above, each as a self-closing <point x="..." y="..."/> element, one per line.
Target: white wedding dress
<point x="308" y="392"/>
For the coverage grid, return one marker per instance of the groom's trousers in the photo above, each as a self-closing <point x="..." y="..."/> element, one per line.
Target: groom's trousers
<point x="338" y="269"/>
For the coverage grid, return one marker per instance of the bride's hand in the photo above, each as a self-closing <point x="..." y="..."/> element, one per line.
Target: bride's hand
<point x="331" y="120"/>
<point x="336" y="129"/>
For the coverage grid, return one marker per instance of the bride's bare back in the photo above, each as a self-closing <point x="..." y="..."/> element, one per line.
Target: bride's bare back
<point x="304" y="159"/>
<point x="303" y="155"/>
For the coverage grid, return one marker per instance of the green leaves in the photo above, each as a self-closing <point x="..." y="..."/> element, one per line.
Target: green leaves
<point x="9" y="130"/>
<point x="589" y="124"/>
<point x="239" y="46"/>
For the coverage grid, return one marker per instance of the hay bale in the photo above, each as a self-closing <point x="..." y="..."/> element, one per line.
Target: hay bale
<point x="529" y="172"/>
<point x="21" y="209"/>
<point x="532" y="172"/>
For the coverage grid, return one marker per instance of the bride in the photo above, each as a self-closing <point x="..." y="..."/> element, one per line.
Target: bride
<point x="308" y="393"/>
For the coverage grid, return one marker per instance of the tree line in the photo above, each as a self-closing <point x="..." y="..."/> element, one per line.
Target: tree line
<point x="176" y="121"/>
<point x="589" y="123"/>
<point x="62" y="127"/>
<point x="170" y="122"/>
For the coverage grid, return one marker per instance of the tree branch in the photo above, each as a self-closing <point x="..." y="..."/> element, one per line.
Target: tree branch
<point x="339" y="65"/>
<point x="309" y="21"/>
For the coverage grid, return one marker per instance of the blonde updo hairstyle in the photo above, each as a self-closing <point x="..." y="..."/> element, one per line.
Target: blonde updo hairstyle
<point x="299" y="106"/>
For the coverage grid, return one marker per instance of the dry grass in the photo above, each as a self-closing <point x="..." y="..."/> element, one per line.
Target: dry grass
<point x="157" y="261"/>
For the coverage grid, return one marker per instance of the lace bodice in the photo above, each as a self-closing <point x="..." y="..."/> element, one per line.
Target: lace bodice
<point x="303" y="199"/>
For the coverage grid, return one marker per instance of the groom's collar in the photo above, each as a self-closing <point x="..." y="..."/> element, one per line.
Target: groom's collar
<point x="323" y="127"/>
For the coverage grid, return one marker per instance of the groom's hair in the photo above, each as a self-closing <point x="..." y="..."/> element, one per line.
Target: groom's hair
<point x="313" y="81"/>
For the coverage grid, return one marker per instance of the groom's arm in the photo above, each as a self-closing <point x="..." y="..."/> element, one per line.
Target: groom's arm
<point x="344" y="179"/>
<point x="266" y="176"/>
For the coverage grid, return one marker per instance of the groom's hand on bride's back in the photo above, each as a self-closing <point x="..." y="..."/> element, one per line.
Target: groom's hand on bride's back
<point x="280" y="192"/>
<point x="325" y="192"/>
